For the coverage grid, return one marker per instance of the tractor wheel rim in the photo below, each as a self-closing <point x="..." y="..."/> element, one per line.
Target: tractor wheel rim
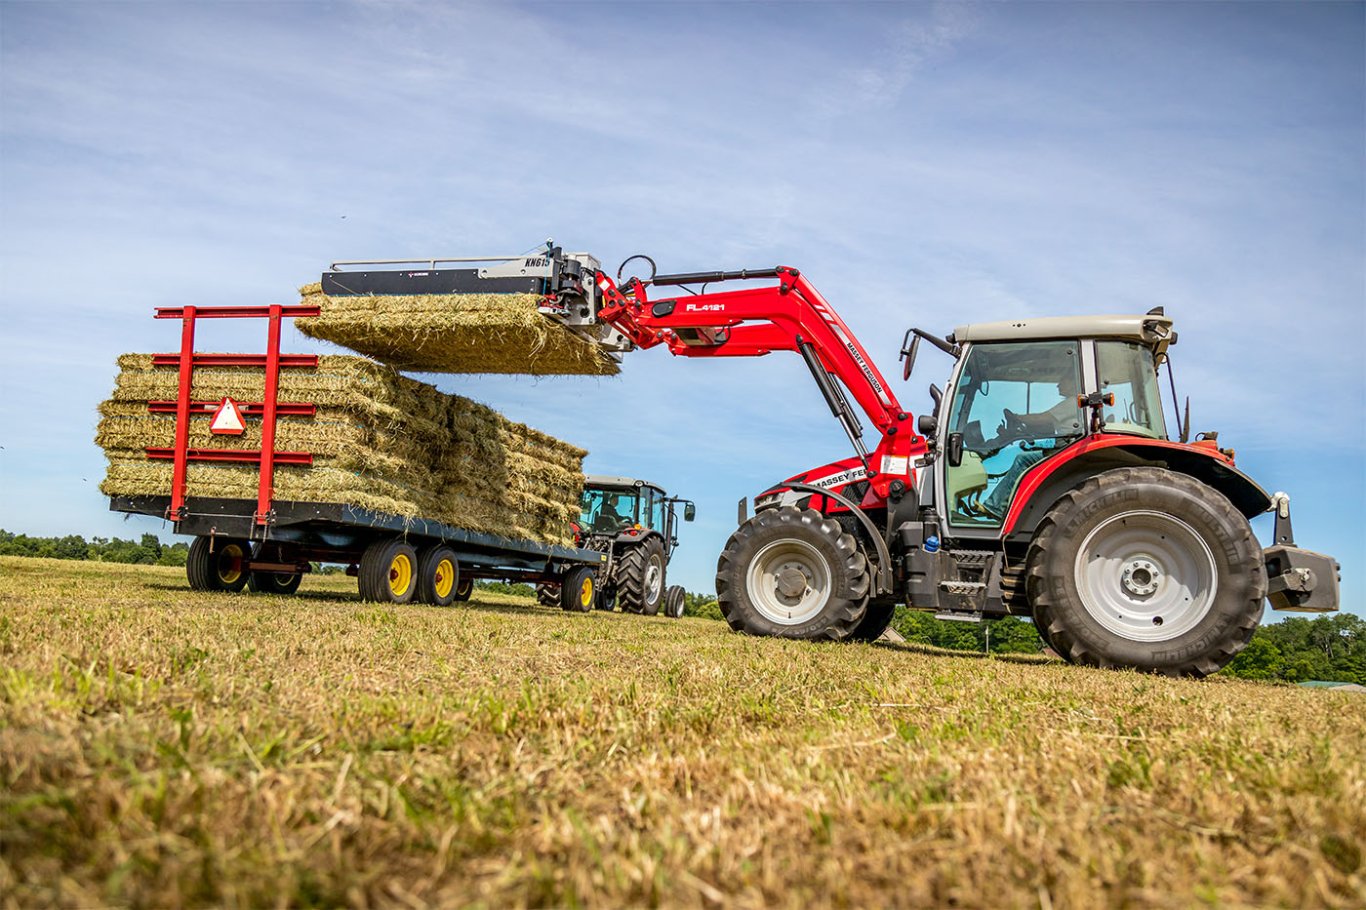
<point x="1146" y="576"/>
<point x="445" y="578"/>
<point x="654" y="578"/>
<point x="400" y="574"/>
<point x="789" y="582"/>
<point x="230" y="564"/>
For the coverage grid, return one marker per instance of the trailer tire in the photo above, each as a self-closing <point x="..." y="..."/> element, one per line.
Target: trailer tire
<point x="389" y="572"/>
<point x="674" y="601"/>
<point x="274" y="583"/>
<point x="1149" y="569"/>
<point x="578" y="590"/>
<point x="606" y="599"/>
<point x="463" y="589"/>
<point x="876" y="620"/>
<point x="218" y="564"/>
<point x="792" y="573"/>
<point x="640" y="577"/>
<point x="547" y="594"/>
<point x="438" y="576"/>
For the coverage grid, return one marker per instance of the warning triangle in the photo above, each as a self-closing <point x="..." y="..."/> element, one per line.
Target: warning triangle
<point x="227" y="420"/>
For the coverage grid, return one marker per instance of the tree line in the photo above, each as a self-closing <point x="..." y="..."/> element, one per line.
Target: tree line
<point x="149" y="551"/>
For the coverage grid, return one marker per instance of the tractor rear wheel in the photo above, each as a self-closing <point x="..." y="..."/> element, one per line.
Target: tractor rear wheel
<point x="547" y="594"/>
<point x="674" y="601"/>
<point x="218" y="563"/>
<point x="793" y="573"/>
<point x="640" y="577"/>
<point x="1149" y="569"/>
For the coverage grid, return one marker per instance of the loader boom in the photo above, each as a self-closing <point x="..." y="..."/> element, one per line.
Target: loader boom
<point x="788" y="316"/>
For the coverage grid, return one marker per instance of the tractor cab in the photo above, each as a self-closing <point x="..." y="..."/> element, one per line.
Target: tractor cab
<point x="630" y="508"/>
<point x="1025" y="390"/>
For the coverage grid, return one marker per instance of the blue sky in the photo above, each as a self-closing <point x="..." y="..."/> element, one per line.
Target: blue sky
<point x="926" y="164"/>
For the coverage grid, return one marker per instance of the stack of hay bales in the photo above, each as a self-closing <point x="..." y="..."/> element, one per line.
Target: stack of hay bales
<point x="379" y="440"/>
<point x="453" y="333"/>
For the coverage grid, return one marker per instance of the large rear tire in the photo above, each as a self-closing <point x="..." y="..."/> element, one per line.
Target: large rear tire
<point x="218" y="564"/>
<point x="640" y="577"/>
<point x="1148" y="569"/>
<point x="792" y="573"/>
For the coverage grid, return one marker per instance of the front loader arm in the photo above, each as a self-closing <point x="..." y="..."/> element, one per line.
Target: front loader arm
<point x="789" y="316"/>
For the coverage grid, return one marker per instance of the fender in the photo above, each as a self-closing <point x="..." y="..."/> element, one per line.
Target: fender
<point x="1051" y="478"/>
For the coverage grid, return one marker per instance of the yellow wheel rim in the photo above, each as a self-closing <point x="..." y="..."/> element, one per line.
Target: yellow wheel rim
<point x="230" y="564"/>
<point x="445" y="578"/>
<point x="400" y="575"/>
<point x="586" y="592"/>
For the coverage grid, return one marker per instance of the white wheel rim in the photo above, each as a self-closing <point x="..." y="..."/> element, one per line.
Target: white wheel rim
<point x="789" y="582"/>
<point x="654" y="577"/>
<point x="1146" y="576"/>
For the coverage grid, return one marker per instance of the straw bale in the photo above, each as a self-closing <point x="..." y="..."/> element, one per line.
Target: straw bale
<point x="379" y="440"/>
<point x="453" y="333"/>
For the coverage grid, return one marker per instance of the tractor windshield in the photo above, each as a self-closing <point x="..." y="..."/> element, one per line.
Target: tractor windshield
<point x="608" y="511"/>
<point x="1128" y="370"/>
<point x="1014" y="404"/>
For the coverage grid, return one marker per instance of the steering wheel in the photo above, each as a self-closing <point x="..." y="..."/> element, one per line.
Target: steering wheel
<point x="1012" y="427"/>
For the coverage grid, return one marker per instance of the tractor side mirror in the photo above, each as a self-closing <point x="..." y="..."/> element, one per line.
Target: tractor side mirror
<point x="908" y="353"/>
<point x="955" y="449"/>
<point x="689" y="511"/>
<point x="927" y="425"/>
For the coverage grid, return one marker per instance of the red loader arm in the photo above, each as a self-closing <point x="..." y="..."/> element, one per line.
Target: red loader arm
<point x="789" y="316"/>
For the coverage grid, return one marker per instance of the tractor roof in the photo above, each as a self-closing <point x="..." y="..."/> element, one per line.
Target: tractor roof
<point x="1152" y="329"/>
<point x="594" y="481"/>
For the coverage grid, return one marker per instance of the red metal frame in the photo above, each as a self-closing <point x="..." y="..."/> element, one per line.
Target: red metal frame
<point x="184" y="407"/>
<point x="755" y="321"/>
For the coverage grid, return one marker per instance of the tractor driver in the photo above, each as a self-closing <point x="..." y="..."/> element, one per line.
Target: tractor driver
<point x="1063" y="419"/>
<point x="609" y="517"/>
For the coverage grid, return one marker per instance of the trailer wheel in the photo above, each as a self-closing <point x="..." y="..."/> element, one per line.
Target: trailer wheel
<point x="1149" y="569"/>
<point x="674" y="600"/>
<point x="607" y="597"/>
<point x="274" y="583"/>
<point x="218" y="564"/>
<point x="464" y="589"/>
<point x="792" y="573"/>
<point x="640" y="577"/>
<point x="578" y="590"/>
<point x="388" y="572"/>
<point x="547" y="594"/>
<point x="875" y="620"/>
<point x="438" y="575"/>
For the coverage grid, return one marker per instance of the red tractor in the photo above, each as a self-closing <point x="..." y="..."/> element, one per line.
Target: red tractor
<point x="1045" y="484"/>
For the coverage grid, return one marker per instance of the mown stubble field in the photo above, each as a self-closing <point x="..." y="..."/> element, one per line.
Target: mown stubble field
<point x="161" y="748"/>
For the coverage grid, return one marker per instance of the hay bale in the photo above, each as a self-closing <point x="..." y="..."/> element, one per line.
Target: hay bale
<point x="453" y="333"/>
<point x="379" y="439"/>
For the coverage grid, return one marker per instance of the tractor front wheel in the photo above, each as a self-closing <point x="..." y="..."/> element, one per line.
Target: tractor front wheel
<point x="674" y="601"/>
<point x="547" y="594"/>
<point x="1149" y="569"/>
<point x="793" y="573"/>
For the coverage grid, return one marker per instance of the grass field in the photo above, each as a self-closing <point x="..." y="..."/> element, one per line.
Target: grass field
<point x="159" y="747"/>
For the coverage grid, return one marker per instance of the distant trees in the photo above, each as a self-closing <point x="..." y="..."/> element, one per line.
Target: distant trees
<point x="1007" y="636"/>
<point x="1331" y="648"/>
<point x="147" y="551"/>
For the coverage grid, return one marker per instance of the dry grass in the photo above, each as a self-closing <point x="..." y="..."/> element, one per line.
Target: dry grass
<point x="453" y="333"/>
<point x="379" y="440"/>
<point x="160" y="747"/>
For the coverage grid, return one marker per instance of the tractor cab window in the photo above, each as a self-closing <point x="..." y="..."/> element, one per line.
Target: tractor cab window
<point x="659" y="507"/>
<point x="1129" y="371"/>
<point x="1015" y="404"/>
<point x="607" y="511"/>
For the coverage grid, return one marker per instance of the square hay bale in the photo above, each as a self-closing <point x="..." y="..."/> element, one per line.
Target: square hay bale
<point x="453" y="333"/>
<point x="379" y="439"/>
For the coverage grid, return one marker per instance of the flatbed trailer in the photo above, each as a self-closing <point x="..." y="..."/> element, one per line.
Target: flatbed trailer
<point x="232" y="551"/>
<point x="269" y="544"/>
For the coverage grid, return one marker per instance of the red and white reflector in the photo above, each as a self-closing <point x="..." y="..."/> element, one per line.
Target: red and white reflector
<point x="227" y="420"/>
